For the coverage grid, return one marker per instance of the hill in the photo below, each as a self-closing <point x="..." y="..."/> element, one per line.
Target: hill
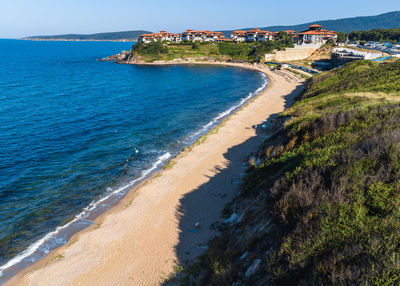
<point x="112" y="36"/>
<point x="227" y="51"/>
<point x="320" y="204"/>
<point x="384" y="21"/>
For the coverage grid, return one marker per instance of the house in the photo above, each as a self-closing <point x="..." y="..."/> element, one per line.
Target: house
<point x="175" y="37"/>
<point x="161" y="36"/>
<point x="264" y="36"/>
<point x="239" y="36"/>
<point x="202" y="36"/>
<point x="251" y="36"/>
<point x="146" y="38"/>
<point x="291" y="33"/>
<point x="188" y="35"/>
<point x="315" y="34"/>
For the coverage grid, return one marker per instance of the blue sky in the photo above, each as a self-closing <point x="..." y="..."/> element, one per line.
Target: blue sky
<point x="20" y="18"/>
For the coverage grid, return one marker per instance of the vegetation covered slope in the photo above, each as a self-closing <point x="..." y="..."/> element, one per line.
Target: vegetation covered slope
<point x="322" y="204"/>
<point x="384" y="21"/>
<point x="205" y="51"/>
<point x="378" y="35"/>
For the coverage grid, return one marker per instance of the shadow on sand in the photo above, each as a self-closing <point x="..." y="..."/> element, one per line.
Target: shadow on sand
<point x="199" y="209"/>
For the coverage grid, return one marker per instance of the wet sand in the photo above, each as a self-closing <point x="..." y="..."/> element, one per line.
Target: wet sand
<point x="142" y="238"/>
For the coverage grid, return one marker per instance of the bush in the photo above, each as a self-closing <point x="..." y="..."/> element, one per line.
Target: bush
<point x="330" y="181"/>
<point x="358" y="76"/>
<point x="153" y="48"/>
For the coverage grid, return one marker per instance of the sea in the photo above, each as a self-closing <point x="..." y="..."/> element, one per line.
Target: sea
<point x="77" y="133"/>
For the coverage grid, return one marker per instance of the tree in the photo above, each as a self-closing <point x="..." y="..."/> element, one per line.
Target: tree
<point x="341" y="37"/>
<point x="195" y="46"/>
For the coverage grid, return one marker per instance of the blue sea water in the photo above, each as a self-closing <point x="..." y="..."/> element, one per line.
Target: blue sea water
<point x="76" y="133"/>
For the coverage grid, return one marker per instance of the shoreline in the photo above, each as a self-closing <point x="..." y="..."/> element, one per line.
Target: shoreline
<point x="57" y="256"/>
<point x="89" y="215"/>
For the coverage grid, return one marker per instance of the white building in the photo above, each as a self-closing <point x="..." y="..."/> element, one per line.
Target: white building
<point x="162" y="36"/>
<point x="202" y="36"/>
<point x="251" y="36"/>
<point x="264" y="36"/>
<point x="254" y="35"/>
<point x="239" y="36"/>
<point x="315" y="34"/>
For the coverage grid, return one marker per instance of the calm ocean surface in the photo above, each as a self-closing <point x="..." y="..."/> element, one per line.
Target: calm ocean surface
<point x="76" y="133"/>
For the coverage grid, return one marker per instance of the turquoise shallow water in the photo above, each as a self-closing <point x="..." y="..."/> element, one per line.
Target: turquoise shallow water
<point x="76" y="133"/>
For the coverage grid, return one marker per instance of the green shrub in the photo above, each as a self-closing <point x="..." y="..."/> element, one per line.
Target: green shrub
<point x="153" y="48"/>
<point x="330" y="181"/>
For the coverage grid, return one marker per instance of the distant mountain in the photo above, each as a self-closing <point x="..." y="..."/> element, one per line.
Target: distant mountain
<point x="112" y="36"/>
<point x="384" y="21"/>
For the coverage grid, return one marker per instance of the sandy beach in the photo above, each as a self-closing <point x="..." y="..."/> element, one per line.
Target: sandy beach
<point x="151" y="230"/>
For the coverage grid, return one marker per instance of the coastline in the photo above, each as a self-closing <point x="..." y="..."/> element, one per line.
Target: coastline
<point x="109" y="236"/>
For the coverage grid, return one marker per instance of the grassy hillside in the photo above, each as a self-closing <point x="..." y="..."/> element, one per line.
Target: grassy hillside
<point x="322" y="205"/>
<point x="205" y="51"/>
<point x="384" y="21"/>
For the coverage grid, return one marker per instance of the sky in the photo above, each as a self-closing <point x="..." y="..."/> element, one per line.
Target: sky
<point x="20" y="18"/>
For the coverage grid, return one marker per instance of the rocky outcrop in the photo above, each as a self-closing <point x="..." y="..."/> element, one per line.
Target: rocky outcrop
<point x="123" y="56"/>
<point x="253" y="268"/>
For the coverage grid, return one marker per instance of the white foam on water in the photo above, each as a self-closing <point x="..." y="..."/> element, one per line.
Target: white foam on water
<point x="227" y="112"/>
<point x="34" y="247"/>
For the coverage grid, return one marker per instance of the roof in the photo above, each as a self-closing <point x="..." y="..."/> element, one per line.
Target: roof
<point x="315" y="26"/>
<point x="318" y="33"/>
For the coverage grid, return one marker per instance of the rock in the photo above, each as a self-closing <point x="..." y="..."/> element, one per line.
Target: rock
<point x="253" y="268"/>
<point x="240" y="218"/>
<point x="118" y="57"/>
<point x="243" y="256"/>
<point x="231" y="219"/>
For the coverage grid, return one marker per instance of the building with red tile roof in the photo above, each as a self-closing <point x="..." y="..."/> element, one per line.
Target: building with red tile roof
<point x="161" y="36"/>
<point x="239" y="36"/>
<point x="252" y="35"/>
<point x="315" y="34"/>
<point x="202" y="36"/>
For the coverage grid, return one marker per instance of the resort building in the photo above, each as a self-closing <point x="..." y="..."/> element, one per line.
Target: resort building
<point x="315" y="34"/>
<point x="291" y="33"/>
<point x="251" y="36"/>
<point x="162" y="36"/>
<point x="239" y="36"/>
<point x="264" y="36"/>
<point x="254" y="35"/>
<point x="202" y="36"/>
